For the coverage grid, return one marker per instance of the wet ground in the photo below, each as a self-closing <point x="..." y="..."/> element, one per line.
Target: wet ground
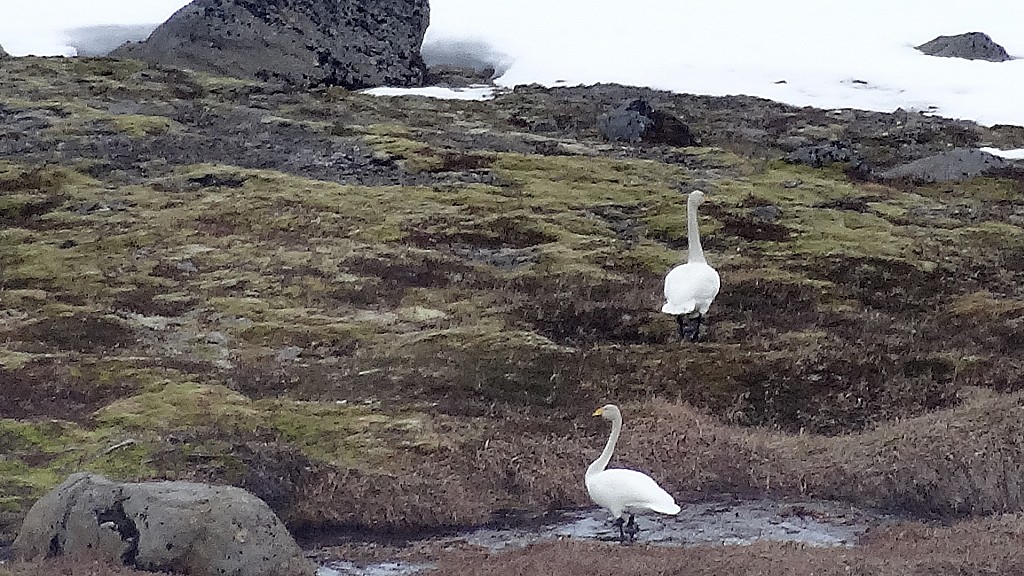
<point x="814" y="523"/>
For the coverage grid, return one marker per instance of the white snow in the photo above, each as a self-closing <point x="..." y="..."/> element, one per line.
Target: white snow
<point x="45" y="27"/>
<point x="829" y="54"/>
<point x="1017" y="154"/>
<point x="468" y="93"/>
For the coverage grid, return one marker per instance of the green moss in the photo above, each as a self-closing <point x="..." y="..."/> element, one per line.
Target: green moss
<point x="572" y="182"/>
<point x="12" y="359"/>
<point x="338" y="433"/>
<point x="40" y="454"/>
<point x="15" y="177"/>
<point x="398" y="143"/>
<point x="824" y="232"/>
<point x="137" y="125"/>
<point x="984" y="189"/>
<point x="105" y="68"/>
<point x="986" y="305"/>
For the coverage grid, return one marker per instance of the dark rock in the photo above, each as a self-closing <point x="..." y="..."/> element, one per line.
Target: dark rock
<point x="792" y="143"/>
<point x="186" y="266"/>
<point x="209" y="180"/>
<point x="3" y="53"/>
<point x="289" y="353"/>
<point x="847" y="203"/>
<point x="303" y="43"/>
<point x="972" y="46"/>
<point x="458" y="77"/>
<point x="956" y="164"/>
<point x="182" y="527"/>
<point x="821" y="155"/>
<point x="637" y="121"/>
<point x="769" y="213"/>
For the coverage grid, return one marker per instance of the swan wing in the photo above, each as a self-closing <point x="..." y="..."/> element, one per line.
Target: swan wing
<point x="619" y="489"/>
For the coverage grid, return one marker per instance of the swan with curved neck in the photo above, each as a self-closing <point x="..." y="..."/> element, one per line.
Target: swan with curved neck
<point x="620" y="490"/>
<point x="691" y="288"/>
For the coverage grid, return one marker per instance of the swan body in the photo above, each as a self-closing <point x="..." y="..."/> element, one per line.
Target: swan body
<point x="622" y="491"/>
<point x="691" y="288"/>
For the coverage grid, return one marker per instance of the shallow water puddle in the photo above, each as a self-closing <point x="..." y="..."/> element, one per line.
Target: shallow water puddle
<point x="716" y="523"/>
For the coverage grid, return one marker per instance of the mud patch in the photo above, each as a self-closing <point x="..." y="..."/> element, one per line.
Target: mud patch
<point x="718" y="523"/>
<point x="52" y="390"/>
<point x="81" y="333"/>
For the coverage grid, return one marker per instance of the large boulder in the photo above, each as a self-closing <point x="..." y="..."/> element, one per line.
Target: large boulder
<point x="953" y="165"/>
<point x="196" y="529"/>
<point x="304" y="43"/>
<point x="3" y="53"/>
<point x="972" y="46"/>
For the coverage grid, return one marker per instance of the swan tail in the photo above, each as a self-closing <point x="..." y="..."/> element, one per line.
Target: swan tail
<point x="670" y="508"/>
<point x="686" y="307"/>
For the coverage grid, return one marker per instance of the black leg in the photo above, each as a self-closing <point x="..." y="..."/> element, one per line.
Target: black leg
<point x="689" y="327"/>
<point x="696" y="330"/>
<point x="632" y="528"/>
<point x="622" y="535"/>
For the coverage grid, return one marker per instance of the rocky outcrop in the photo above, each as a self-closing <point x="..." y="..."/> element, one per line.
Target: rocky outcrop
<point x="972" y="46"/>
<point x="637" y="121"/>
<point x="303" y="43"/>
<point x="824" y="154"/>
<point x="3" y="53"/>
<point x="956" y="164"/>
<point x="183" y="527"/>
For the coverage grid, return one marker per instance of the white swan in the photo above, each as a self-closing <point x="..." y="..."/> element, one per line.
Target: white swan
<point x="620" y="490"/>
<point x="691" y="288"/>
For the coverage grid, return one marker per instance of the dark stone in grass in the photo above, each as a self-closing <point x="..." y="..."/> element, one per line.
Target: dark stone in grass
<point x="209" y="180"/>
<point x="822" y="155"/>
<point x="637" y="121"/>
<point x="769" y="213"/>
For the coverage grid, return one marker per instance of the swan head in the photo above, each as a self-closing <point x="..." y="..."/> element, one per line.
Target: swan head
<point x="609" y="412"/>
<point x="696" y="197"/>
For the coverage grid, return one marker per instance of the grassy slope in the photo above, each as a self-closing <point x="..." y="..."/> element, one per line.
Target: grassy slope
<point x="473" y="320"/>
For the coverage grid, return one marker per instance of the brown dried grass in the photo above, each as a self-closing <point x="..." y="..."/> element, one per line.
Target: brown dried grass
<point x="955" y="462"/>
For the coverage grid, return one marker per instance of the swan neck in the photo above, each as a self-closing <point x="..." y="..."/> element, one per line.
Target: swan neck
<point x="606" y="456"/>
<point x="695" y="252"/>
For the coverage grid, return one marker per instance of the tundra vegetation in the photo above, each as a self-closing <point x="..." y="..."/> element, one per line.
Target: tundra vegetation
<point x="397" y="314"/>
